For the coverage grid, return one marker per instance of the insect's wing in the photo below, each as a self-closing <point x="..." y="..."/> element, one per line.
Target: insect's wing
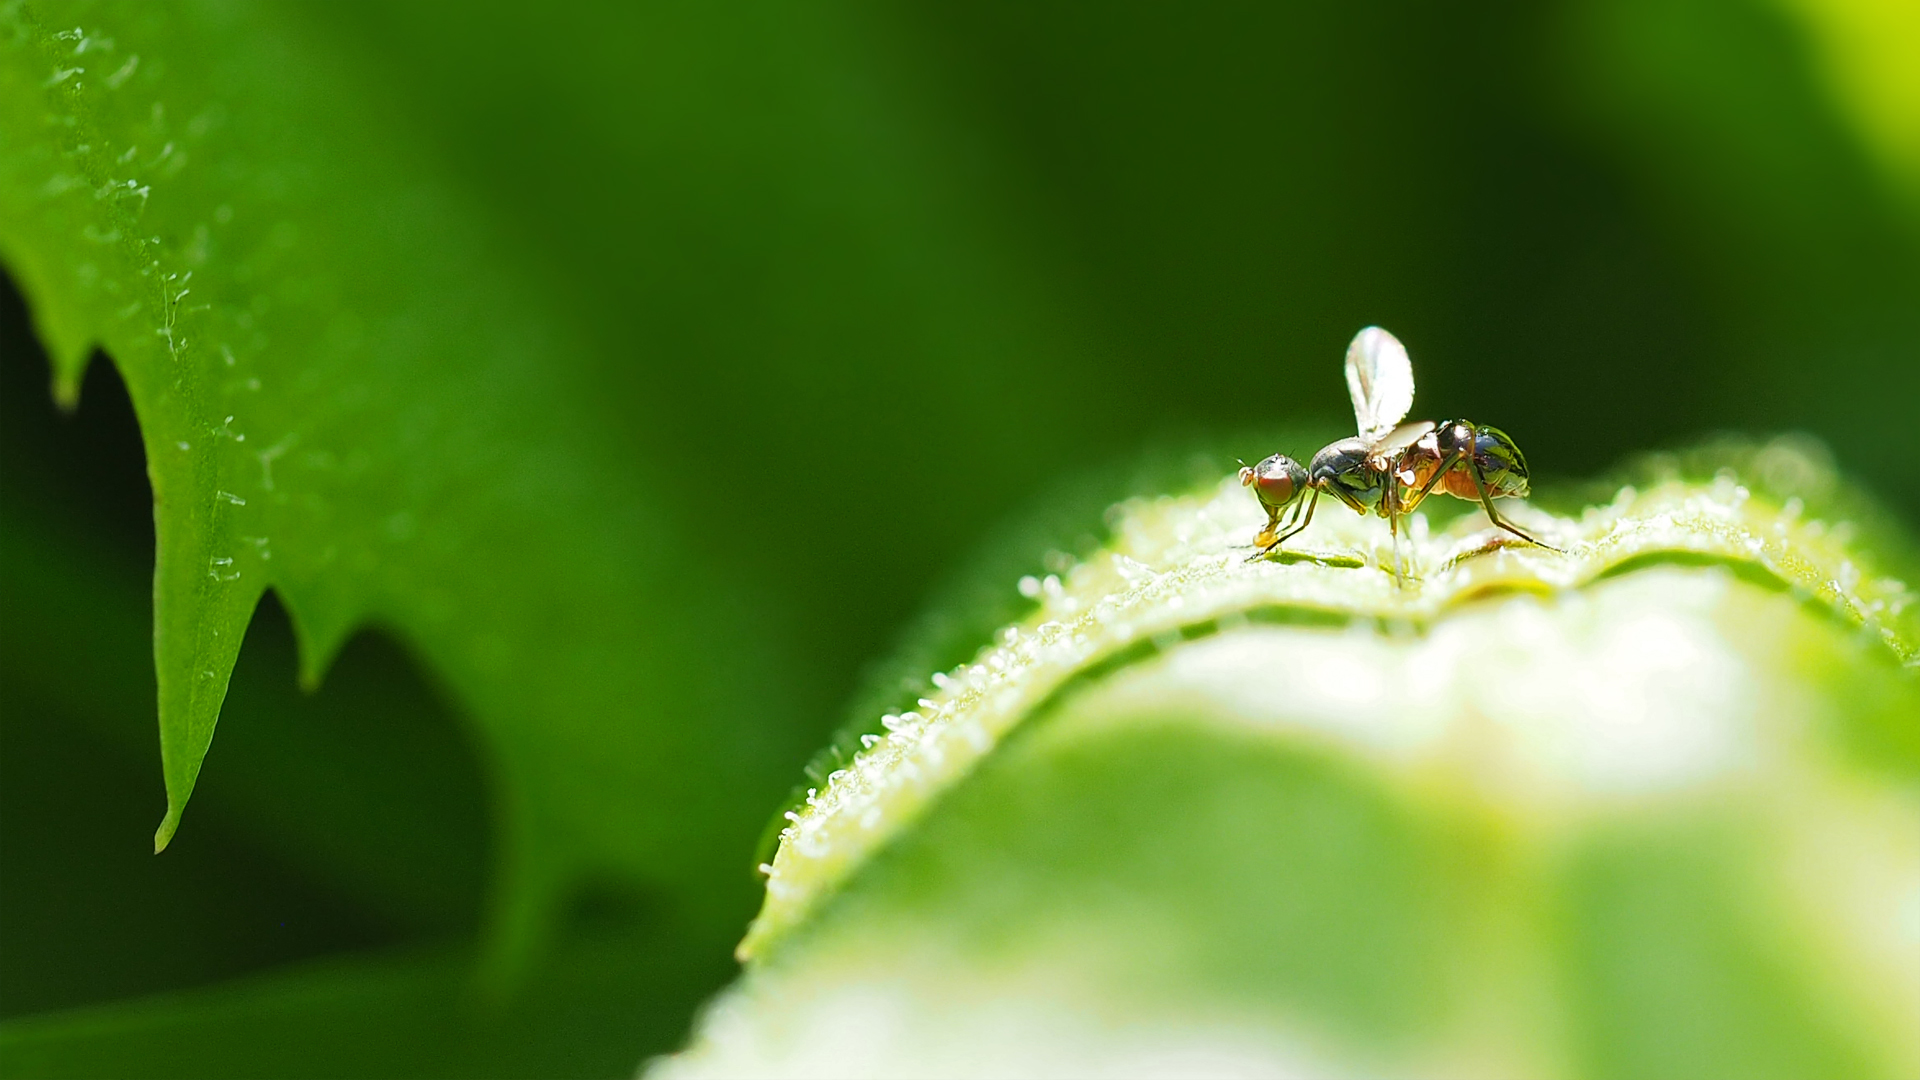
<point x="1380" y="380"/>
<point x="1403" y="436"/>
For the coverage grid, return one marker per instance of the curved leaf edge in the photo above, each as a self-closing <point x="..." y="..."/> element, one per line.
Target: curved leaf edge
<point x="1774" y="513"/>
<point x="1068" y="521"/>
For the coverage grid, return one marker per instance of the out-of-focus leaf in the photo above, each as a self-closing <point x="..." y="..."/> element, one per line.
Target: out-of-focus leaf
<point x="349" y="393"/>
<point x="1718" y="115"/>
<point x="593" y="1004"/>
<point x="1643" y="807"/>
<point x="1867" y="48"/>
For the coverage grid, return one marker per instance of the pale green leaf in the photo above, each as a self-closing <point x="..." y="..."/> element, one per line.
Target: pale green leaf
<point x="1644" y="807"/>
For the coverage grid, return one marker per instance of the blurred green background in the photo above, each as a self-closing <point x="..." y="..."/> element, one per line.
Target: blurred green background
<point x="871" y="280"/>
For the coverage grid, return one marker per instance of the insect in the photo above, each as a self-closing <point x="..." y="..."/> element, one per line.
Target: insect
<point x="1357" y="471"/>
<point x="1390" y="467"/>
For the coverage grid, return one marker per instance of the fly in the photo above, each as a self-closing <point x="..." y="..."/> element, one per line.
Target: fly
<point x="1390" y="466"/>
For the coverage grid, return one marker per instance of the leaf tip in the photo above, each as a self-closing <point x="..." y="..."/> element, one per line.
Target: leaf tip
<point x="66" y="389"/>
<point x="170" y="824"/>
<point x="318" y="641"/>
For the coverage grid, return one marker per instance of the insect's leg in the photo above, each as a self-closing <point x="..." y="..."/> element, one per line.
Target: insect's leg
<point x="1269" y="537"/>
<point x="1304" y="520"/>
<point x="1272" y="537"/>
<point x="1401" y="511"/>
<point x="1393" y="529"/>
<point x="1390" y="505"/>
<point x="1353" y="504"/>
<point x="1402" y="558"/>
<point x="1272" y="528"/>
<point x="1486" y="501"/>
<point x="1420" y="496"/>
<point x="1275" y="524"/>
<point x="1292" y="530"/>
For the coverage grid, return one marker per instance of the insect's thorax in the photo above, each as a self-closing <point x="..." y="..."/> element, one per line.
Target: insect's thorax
<point x="1346" y="470"/>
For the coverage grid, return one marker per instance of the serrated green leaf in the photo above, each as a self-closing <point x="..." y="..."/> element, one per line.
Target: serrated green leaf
<point x="1643" y="807"/>
<point x="320" y="782"/>
<point x="352" y="395"/>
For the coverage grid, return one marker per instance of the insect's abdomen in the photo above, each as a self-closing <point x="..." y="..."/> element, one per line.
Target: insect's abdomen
<point x="1501" y="463"/>
<point x="1459" y="484"/>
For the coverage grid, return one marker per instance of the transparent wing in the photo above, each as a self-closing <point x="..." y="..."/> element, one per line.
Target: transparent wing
<point x="1380" y="380"/>
<point x="1403" y="436"/>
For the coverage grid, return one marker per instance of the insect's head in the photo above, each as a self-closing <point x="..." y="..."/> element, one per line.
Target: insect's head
<point x="1277" y="481"/>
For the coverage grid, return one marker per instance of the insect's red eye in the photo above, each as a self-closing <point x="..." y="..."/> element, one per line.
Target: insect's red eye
<point x="1275" y="489"/>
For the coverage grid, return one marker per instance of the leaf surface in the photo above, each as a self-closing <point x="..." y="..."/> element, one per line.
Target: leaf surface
<point x="1638" y="807"/>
